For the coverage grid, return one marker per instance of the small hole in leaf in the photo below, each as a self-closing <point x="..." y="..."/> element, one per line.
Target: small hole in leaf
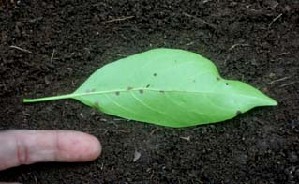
<point x="140" y="91"/>
<point x="147" y="86"/>
<point x="129" y="88"/>
<point x="155" y="74"/>
<point x="117" y="93"/>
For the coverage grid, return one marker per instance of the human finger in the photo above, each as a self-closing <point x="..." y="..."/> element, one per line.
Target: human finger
<point x="28" y="146"/>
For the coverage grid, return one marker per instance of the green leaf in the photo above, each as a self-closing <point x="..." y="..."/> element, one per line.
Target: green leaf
<point x="167" y="87"/>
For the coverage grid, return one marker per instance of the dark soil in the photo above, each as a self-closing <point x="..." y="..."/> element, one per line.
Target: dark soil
<point x="253" y="41"/>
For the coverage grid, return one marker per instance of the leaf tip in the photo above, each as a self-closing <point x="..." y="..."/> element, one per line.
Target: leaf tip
<point x="270" y="102"/>
<point x="273" y="102"/>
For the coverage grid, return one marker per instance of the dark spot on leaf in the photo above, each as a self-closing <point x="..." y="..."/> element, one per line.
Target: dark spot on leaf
<point x="194" y="81"/>
<point x="155" y="74"/>
<point x="117" y="93"/>
<point x="226" y="84"/>
<point x="161" y="91"/>
<point x="93" y="90"/>
<point x="140" y="91"/>
<point x="218" y="79"/>
<point x="87" y="91"/>
<point x="238" y="113"/>
<point x="129" y="88"/>
<point x="147" y="86"/>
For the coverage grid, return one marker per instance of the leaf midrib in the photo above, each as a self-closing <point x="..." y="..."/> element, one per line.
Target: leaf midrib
<point x="74" y="95"/>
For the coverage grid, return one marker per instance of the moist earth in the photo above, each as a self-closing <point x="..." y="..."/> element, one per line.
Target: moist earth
<point x="51" y="47"/>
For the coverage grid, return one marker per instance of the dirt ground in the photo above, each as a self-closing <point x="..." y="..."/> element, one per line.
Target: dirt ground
<point x="63" y="42"/>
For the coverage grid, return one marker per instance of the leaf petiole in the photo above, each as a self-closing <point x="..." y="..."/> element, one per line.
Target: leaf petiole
<point x="61" y="97"/>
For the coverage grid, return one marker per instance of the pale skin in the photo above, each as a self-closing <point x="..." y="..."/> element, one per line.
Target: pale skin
<point x="29" y="146"/>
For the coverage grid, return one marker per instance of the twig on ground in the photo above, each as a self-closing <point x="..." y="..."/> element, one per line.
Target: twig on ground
<point x="279" y="80"/>
<point x="238" y="44"/>
<point x="274" y="20"/>
<point x="205" y="1"/>
<point x="153" y="131"/>
<point x="20" y="49"/>
<point x="53" y="52"/>
<point x="201" y="20"/>
<point x="119" y="19"/>
<point x="186" y="138"/>
<point x="289" y="84"/>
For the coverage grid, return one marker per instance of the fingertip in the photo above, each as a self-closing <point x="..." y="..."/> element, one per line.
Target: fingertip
<point x="95" y="147"/>
<point x="76" y="146"/>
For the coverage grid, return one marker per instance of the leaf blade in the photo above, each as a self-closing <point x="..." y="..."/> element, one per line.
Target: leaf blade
<point x="166" y="87"/>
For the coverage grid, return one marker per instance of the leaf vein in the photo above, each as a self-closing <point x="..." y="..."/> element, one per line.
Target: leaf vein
<point x="118" y="105"/>
<point x="149" y="107"/>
